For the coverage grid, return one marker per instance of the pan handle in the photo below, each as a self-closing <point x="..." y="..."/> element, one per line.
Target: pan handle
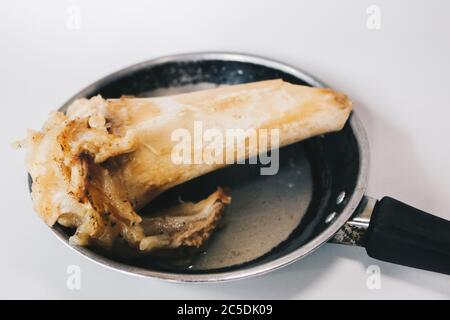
<point x="402" y="234"/>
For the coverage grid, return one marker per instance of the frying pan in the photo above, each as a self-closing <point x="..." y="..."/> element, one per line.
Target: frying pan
<point x="318" y="195"/>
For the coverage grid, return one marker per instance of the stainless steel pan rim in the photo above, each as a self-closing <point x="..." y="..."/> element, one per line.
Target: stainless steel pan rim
<point x="297" y="254"/>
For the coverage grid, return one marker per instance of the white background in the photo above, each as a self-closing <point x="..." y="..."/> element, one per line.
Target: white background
<point x="398" y="76"/>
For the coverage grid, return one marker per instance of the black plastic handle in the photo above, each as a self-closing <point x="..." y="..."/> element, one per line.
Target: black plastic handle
<point x="402" y="234"/>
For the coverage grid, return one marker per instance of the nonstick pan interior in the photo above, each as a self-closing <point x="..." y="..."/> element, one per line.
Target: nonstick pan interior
<point x="270" y="216"/>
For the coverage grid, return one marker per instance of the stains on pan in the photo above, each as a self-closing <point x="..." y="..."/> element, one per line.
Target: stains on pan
<point x="273" y="220"/>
